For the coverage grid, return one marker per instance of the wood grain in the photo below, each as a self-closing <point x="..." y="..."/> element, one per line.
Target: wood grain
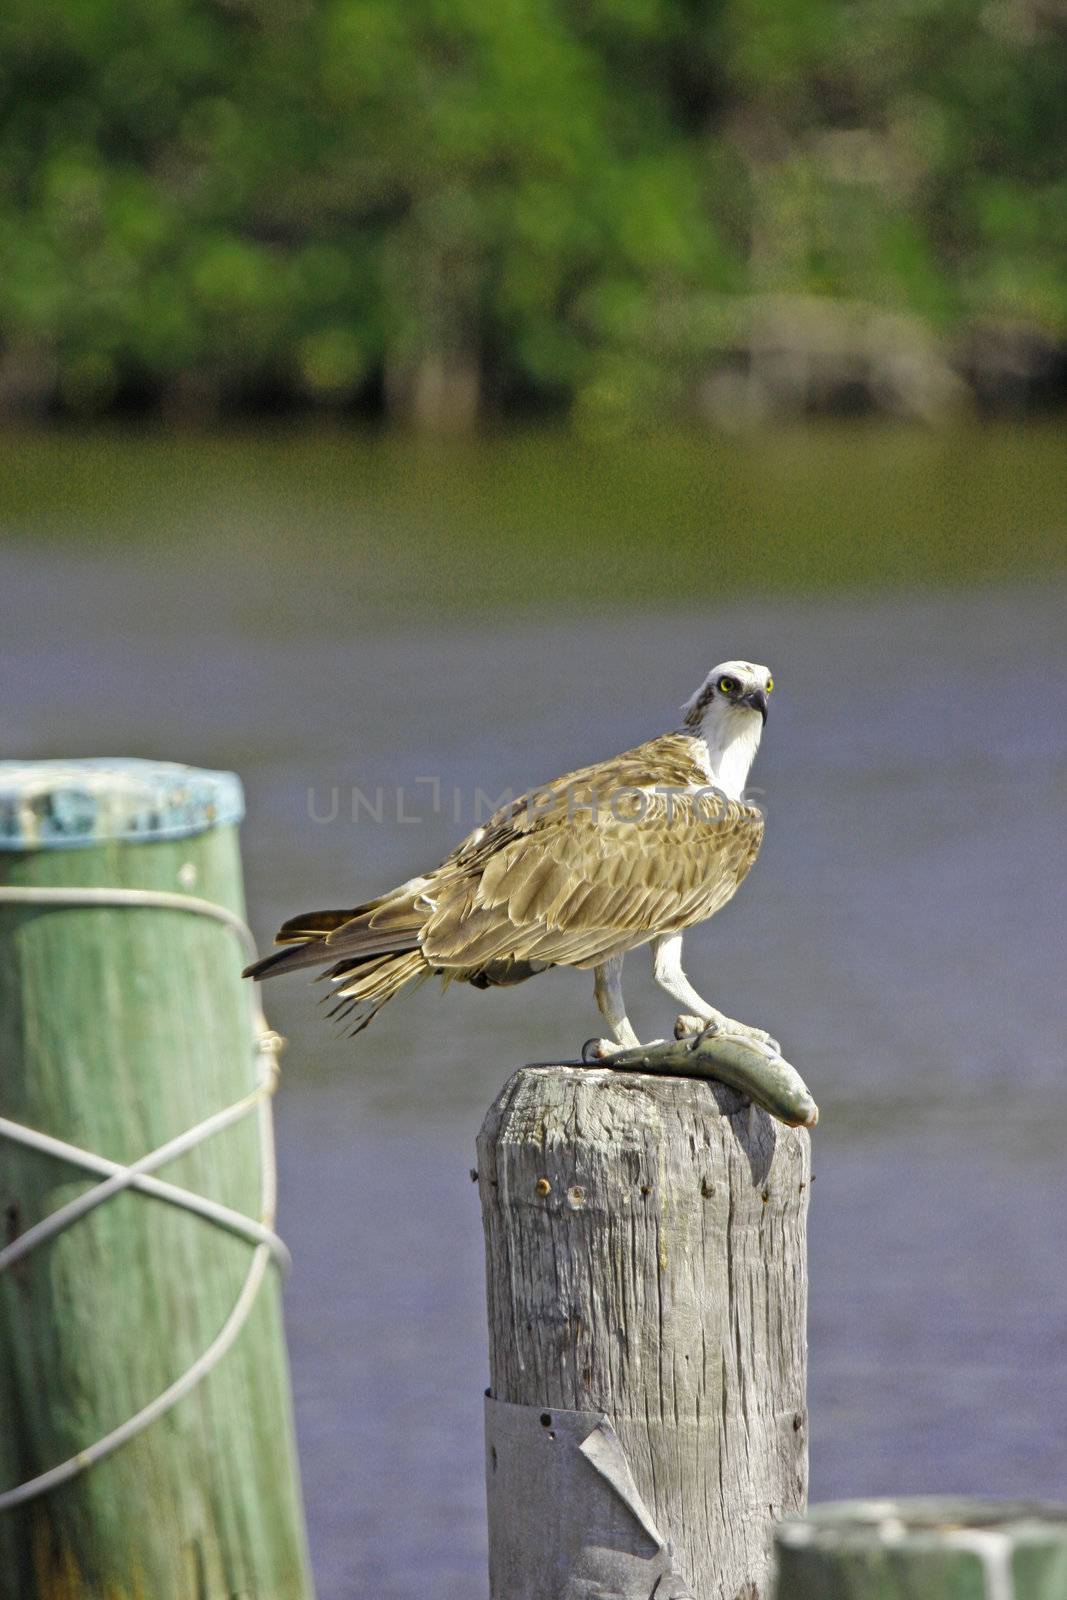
<point x="645" y="1255"/>
<point x="120" y="1028"/>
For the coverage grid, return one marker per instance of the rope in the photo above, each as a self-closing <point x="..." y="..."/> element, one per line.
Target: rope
<point x="233" y="1221"/>
<point x="258" y="1232"/>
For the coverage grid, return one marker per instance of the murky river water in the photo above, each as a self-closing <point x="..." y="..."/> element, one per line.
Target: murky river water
<point x="901" y="932"/>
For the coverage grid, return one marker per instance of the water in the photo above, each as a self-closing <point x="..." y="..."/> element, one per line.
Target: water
<point x="254" y="605"/>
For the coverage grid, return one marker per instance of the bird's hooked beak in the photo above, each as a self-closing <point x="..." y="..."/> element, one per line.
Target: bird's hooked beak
<point x="757" y="699"/>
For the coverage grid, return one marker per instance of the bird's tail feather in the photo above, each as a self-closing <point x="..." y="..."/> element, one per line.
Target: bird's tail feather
<point x="289" y="959"/>
<point x="364" y="986"/>
<point x="381" y="927"/>
<point x="317" y="924"/>
<point x="369" y="962"/>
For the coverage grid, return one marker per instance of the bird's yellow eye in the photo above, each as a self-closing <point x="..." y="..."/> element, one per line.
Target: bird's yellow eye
<point x="727" y="685"/>
<point x="770" y="685"/>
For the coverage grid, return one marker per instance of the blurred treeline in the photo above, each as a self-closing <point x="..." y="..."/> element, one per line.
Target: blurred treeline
<point x="442" y="208"/>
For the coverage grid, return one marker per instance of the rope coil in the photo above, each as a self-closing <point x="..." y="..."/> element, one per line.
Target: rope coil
<point x="258" y="1232"/>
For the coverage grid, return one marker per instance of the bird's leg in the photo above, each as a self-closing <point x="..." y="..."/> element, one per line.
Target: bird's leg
<point x="607" y="987"/>
<point x="667" y="971"/>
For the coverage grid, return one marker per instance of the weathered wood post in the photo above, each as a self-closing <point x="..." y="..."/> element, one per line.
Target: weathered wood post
<point x="646" y="1280"/>
<point x="937" y="1548"/>
<point x="124" y="1023"/>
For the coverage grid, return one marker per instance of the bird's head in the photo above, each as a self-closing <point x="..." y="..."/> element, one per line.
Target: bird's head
<point x="726" y="716"/>
<point x="732" y="695"/>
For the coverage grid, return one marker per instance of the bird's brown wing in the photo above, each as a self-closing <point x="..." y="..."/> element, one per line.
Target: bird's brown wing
<point x="591" y="866"/>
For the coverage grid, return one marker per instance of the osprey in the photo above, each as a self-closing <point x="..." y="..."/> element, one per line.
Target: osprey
<point x="628" y="852"/>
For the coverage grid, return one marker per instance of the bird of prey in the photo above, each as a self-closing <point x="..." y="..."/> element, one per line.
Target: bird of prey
<point x="631" y="851"/>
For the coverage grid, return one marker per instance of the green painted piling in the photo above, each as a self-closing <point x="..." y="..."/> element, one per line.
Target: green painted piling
<point x="924" y="1549"/>
<point x="121" y="1027"/>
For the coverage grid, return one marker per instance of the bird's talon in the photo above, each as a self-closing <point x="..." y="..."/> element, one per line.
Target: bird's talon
<point x="761" y="1036"/>
<point x="593" y="1050"/>
<point x="757" y="1035"/>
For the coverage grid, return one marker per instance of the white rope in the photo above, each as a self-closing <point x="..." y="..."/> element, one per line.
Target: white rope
<point x="162" y="899"/>
<point x="259" y="1232"/>
<point x="233" y="1221"/>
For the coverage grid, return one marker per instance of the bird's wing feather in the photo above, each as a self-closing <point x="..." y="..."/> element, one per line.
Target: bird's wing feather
<point x="597" y="863"/>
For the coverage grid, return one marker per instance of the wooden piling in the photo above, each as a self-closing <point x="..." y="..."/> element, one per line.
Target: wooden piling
<point x="646" y="1285"/>
<point x="121" y="1026"/>
<point x="937" y="1548"/>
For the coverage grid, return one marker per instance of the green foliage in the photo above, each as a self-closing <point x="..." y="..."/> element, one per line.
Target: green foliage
<point x="583" y="201"/>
